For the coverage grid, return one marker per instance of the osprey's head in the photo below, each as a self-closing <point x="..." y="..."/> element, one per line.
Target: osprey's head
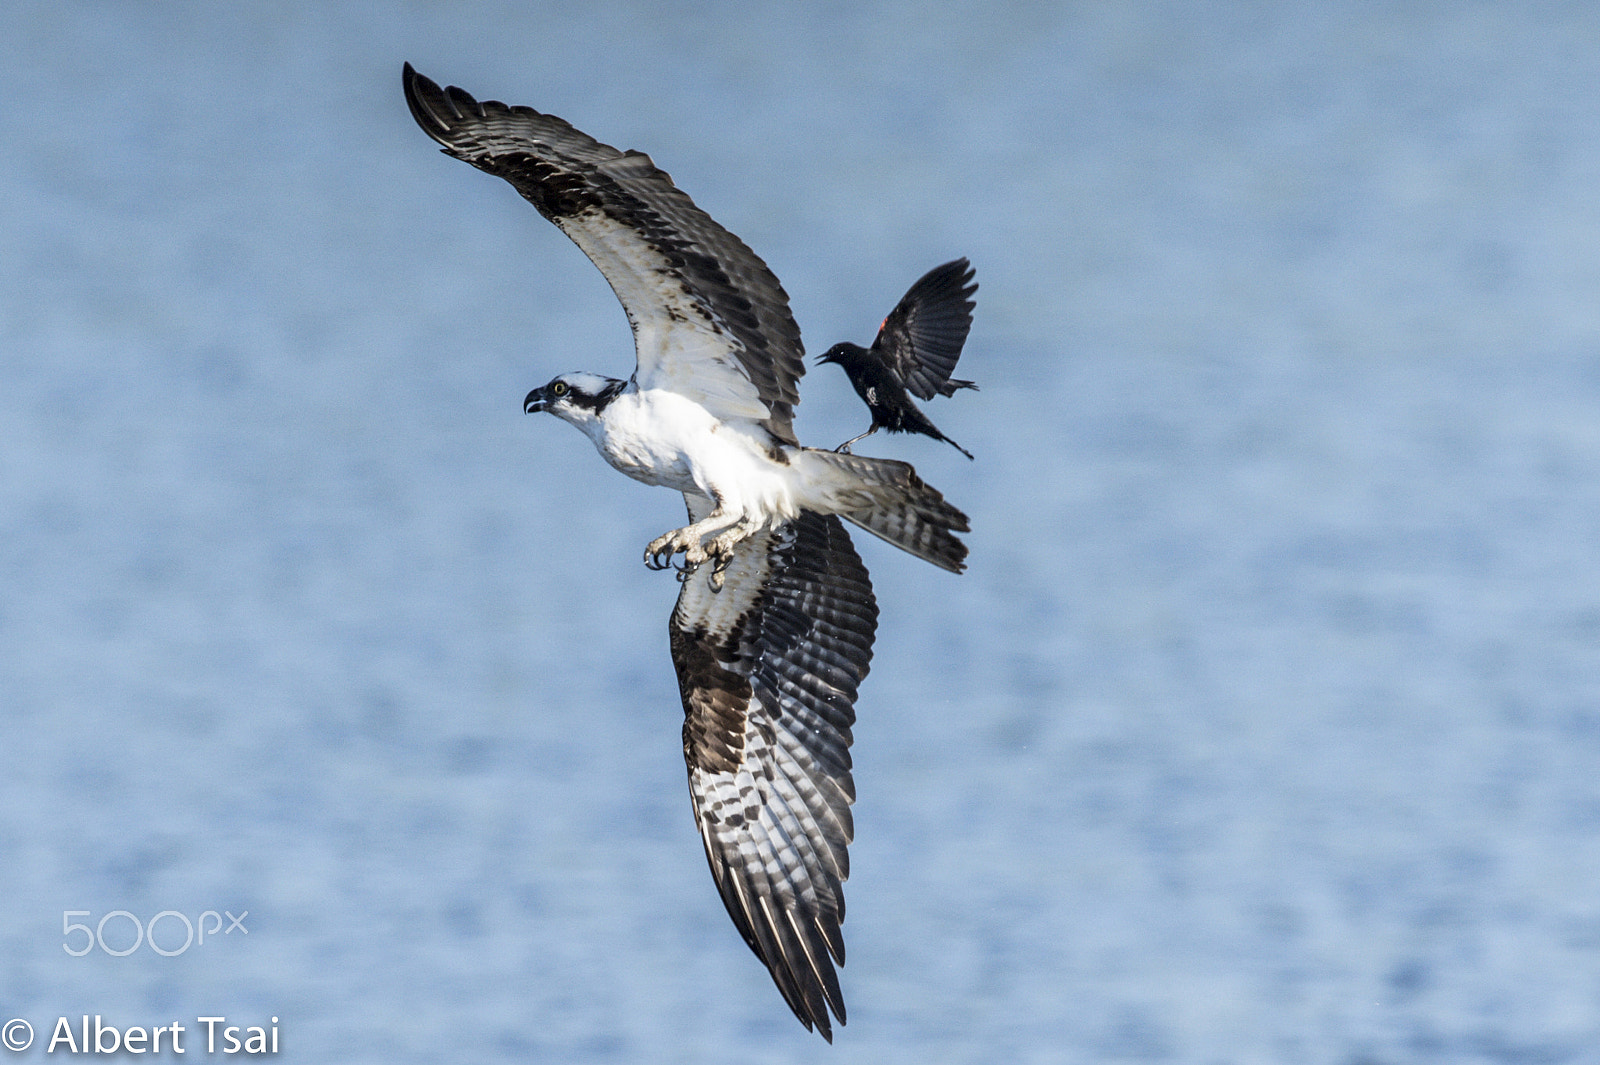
<point x="574" y="397"/>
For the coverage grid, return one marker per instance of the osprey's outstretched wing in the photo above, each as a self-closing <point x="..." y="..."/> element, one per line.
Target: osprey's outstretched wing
<point x="768" y="669"/>
<point x="709" y="318"/>
<point x="921" y="339"/>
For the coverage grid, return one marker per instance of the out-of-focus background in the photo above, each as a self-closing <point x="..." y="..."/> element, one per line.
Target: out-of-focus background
<point x="1265" y="726"/>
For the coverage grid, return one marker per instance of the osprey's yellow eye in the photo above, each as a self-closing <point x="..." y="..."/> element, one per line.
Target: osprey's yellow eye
<point x="558" y="389"/>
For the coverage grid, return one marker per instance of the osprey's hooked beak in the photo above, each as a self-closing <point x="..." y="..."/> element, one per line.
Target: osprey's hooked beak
<point x="536" y="402"/>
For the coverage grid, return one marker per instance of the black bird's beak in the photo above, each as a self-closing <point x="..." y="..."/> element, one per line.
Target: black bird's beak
<point x="835" y="354"/>
<point x="535" y="402"/>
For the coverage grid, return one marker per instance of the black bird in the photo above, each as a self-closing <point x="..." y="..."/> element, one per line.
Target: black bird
<point x="915" y="351"/>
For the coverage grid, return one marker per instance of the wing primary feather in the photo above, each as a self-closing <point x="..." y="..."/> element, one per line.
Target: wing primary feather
<point x="827" y="978"/>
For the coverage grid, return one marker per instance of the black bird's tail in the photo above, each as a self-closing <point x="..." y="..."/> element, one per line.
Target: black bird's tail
<point x="953" y="444"/>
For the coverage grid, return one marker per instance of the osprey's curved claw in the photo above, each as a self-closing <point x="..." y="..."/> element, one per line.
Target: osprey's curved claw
<point x="720" y="561"/>
<point x="659" y="553"/>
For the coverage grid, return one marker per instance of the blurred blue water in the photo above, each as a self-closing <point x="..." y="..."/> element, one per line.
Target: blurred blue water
<point x="1263" y="729"/>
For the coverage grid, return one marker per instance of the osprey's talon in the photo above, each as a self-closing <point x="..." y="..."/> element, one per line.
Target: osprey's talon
<point x="662" y="552"/>
<point x="659" y="558"/>
<point x="844" y="449"/>
<point x="719" y="565"/>
<point x="658" y="552"/>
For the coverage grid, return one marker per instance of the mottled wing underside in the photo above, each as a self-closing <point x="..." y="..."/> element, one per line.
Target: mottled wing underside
<point x="921" y="340"/>
<point x="709" y="318"/>
<point x="768" y="669"/>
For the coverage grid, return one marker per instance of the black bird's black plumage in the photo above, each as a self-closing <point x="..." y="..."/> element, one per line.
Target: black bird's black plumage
<point x="914" y="353"/>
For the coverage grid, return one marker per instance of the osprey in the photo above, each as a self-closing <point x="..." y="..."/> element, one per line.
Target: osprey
<point x="916" y="349"/>
<point x="773" y="627"/>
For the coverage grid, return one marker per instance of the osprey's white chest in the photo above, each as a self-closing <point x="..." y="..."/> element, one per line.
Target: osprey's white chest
<point x="661" y="438"/>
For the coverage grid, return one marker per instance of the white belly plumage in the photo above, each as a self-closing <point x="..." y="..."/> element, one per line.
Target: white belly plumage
<point x="667" y="439"/>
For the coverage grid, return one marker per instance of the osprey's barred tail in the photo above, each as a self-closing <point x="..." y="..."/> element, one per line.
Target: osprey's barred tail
<point x="888" y="499"/>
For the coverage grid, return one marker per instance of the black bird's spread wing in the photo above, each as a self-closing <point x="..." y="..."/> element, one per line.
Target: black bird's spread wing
<point x="768" y="669"/>
<point x="709" y="318"/>
<point x="921" y="339"/>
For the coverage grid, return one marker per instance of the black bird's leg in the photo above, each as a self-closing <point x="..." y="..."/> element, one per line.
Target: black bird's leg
<point x="845" y="447"/>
